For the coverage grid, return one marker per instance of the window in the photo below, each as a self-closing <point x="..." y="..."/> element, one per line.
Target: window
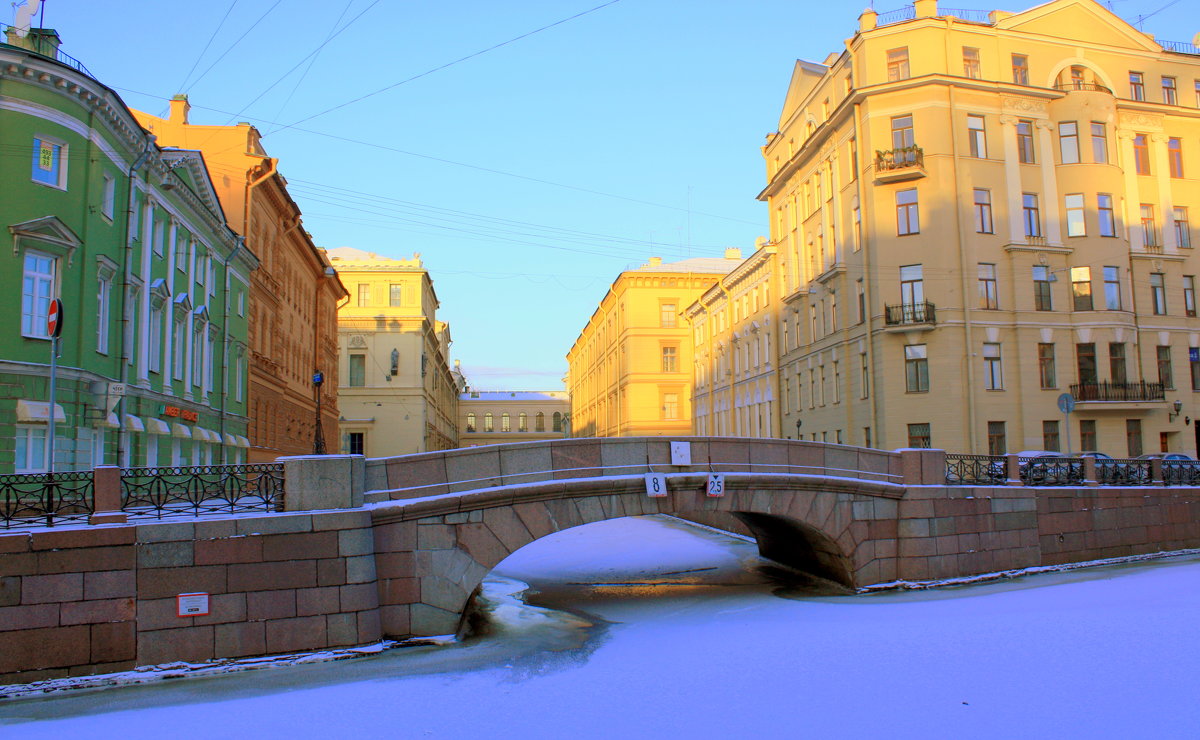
<point x="1149" y="231"/>
<point x="837" y="383"/>
<point x="1050" y="436"/>
<point x="1030" y="214"/>
<point x="505" y="423"/>
<point x="1087" y="434"/>
<point x="159" y="237"/>
<point x="1165" y="376"/>
<point x="1046" y="365"/>
<point x="916" y="368"/>
<point x="1081" y="288"/>
<point x="853" y="159"/>
<point x="1169" y="91"/>
<point x="918" y="435"/>
<point x="670" y="359"/>
<point x="1068" y="142"/>
<point x="1158" y="294"/>
<point x="1116" y="362"/>
<point x="1085" y="363"/>
<point x="1112" y="288"/>
<point x="1194" y="361"/>
<point x="470" y="423"/>
<point x="1099" y="143"/>
<point x="37" y="290"/>
<point x="1141" y="154"/>
<point x="522" y="422"/>
<point x="912" y="285"/>
<point x="1020" y="69"/>
<point x="1133" y="436"/>
<point x="108" y="197"/>
<point x="667" y="315"/>
<point x="1104" y="212"/>
<point x="1075" y="223"/>
<point x="897" y="64"/>
<point x="539" y="422"/>
<point x="156" y="333"/>
<point x="1041" y="289"/>
<point x="1189" y="295"/>
<point x="364" y="294"/>
<point x="395" y="295"/>
<point x="1198" y="93"/>
<point x="907" y="221"/>
<point x="902" y="133"/>
<point x="864" y="376"/>
<point x="983" y="211"/>
<point x="488" y="422"/>
<point x="1183" y="234"/>
<point x="556" y="422"/>
<point x="996" y="441"/>
<point x="988" y="294"/>
<point x="1077" y="77"/>
<point x="993" y="369"/>
<point x="177" y="349"/>
<point x="1137" y="88"/>
<point x="971" y="67"/>
<point x="103" y="299"/>
<point x="976" y="137"/>
<point x="356" y="443"/>
<point x="861" y="301"/>
<point x="358" y="370"/>
<point x="1175" y="156"/>
<point x="1025" y="142"/>
<point x="50" y="163"/>
<point x="670" y="408"/>
<point x="30" y="449"/>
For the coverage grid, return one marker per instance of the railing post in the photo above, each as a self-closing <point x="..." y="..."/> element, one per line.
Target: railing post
<point x="1012" y="466"/>
<point x="106" y="496"/>
<point x="923" y="467"/>
<point x="314" y="482"/>
<point x="1156" y="472"/>
<point x="1089" y="472"/>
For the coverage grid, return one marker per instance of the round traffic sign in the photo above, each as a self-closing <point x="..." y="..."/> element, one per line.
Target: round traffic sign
<point x="54" y="318"/>
<point x="1066" y="403"/>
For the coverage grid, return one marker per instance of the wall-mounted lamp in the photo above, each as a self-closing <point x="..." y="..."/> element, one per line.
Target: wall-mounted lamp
<point x="1177" y="406"/>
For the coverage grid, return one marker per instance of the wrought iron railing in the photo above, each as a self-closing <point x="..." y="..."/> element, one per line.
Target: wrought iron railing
<point x="1112" y="472"/>
<point x="1179" y="47"/>
<point x="45" y="499"/>
<point x="896" y="16"/>
<point x="970" y="16"/>
<point x="967" y="470"/>
<point x="1084" y="86"/>
<point x="909" y="313"/>
<point x="45" y="49"/>
<point x="1107" y="391"/>
<point x="899" y="159"/>
<point x="1181" y="472"/>
<point x="215" y="489"/>
<point x="1051" y="471"/>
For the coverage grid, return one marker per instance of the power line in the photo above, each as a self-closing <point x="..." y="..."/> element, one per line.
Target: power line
<point x="328" y="38"/>
<point x="207" y="44"/>
<point x="235" y="43"/>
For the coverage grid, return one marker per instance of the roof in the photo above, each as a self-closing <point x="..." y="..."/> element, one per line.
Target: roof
<point x="711" y="265"/>
<point x="513" y="396"/>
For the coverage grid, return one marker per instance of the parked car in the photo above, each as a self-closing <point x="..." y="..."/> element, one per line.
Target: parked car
<point x="1111" y="471"/>
<point x="1047" y="468"/>
<point x="1166" y="456"/>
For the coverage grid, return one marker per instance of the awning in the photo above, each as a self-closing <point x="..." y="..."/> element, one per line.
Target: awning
<point x="134" y="424"/>
<point x="157" y="426"/>
<point x="230" y="440"/>
<point x="179" y="430"/>
<point x="207" y="435"/>
<point x="242" y="441"/>
<point x="111" y="421"/>
<point x="38" y="412"/>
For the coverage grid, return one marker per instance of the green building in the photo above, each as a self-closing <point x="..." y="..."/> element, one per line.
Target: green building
<point x="152" y="359"/>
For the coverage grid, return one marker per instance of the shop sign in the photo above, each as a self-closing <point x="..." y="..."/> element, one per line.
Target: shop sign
<point x="178" y="413"/>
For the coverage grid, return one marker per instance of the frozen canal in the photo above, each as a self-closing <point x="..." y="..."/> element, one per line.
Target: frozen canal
<point x="650" y="628"/>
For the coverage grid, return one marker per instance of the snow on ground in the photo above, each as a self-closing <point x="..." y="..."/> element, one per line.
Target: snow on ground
<point x="674" y="631"/>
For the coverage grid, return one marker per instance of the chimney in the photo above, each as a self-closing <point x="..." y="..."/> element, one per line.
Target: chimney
<point x="733" y="253"/>
<point x="44" y="41"/>
<point x="925" y="8"/>
<point x="179" y="109"/>
<point x="654" y="261"/>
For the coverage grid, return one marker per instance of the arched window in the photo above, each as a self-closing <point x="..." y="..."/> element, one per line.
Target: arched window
<point x="539" y="422"/>
<point x="523" y="422"/>
<point x="505" y="423"/>
<point x="487" y="422"/>
<point x="470" y="423"/>
<point x="557" y="421"/>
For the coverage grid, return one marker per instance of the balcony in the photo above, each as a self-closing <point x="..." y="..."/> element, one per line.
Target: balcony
<point x="909" y="316"/>
<point x="1080" y="86"/>
<point x="1108" y="392"/>
<point x="895" y="165"/>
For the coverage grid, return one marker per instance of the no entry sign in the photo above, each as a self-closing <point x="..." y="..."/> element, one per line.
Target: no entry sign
<point x="54" y="318"/>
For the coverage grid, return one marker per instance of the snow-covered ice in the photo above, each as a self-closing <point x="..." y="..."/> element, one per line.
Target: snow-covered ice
<point x="651" y="628"/>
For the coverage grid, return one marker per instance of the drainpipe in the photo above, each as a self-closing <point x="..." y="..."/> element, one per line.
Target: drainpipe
<point x="239" y="244"/>
<point x="969" y="390"/>
<point x="123" y="370"/>
<point x="864" y="217"/>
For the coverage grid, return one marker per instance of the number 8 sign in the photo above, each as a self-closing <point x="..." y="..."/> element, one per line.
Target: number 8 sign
<point x="656" y="484"/>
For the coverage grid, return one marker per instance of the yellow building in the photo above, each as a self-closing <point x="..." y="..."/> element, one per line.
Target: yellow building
<point x="735" y="336"/>
<point x="978" y="212"/>
<point x="399" y="395"/>
<point x="293" y="294"/>
<point x="496" y="417"/>
<point x="630" y="369"/>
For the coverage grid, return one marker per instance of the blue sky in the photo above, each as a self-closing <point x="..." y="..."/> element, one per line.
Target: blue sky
<point x="527" y="176"/>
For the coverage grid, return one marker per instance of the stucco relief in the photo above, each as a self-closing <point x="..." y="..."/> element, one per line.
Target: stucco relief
<point x="1141" y="121"/>
<point x="358" y="342"/>
<point x="1024" y="105"/>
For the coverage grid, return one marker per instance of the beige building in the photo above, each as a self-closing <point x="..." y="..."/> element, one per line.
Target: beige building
<point x="733" y="327"/>
<point x="630" y="369"/>
<point x="399" y="395"/>
<point x="975" y="213"/>
<point x="293" y="294"/>
<point x="495" y="417"/>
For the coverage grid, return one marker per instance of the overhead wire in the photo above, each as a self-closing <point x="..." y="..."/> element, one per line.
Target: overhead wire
<point x="207" y="44"/>
<point x="234" y="44"/>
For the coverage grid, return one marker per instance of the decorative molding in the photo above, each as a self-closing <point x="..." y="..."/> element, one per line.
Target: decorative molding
<point x="1140" y="120"/>
<point x="1024" y="105"/>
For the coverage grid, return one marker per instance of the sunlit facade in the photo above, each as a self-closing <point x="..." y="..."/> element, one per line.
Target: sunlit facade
<point x="497" y="417"/>
<point x="975" y="213"/>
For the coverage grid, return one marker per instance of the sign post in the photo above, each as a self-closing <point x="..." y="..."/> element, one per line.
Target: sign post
<point x="1066" y="404"/>
<point x="54" y="325"/>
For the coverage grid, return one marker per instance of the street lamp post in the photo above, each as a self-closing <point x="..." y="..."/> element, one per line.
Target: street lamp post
<point x="318" y="436"/>
<point x="798" y="423"/>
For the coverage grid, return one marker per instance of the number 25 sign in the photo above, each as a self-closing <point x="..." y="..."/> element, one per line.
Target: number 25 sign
<point x="715" y="488"/>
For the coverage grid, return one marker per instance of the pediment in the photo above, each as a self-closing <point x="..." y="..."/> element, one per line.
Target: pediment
<point x="805" y="76"/>
<point x="49" y="232"/>
<point x="1079" y="20"/>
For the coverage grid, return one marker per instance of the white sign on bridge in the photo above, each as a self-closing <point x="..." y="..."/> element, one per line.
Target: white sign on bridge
<point x="656" y="484"/>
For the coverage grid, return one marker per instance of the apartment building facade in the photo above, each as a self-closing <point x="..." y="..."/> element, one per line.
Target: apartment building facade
<point x="630" y="369"/>
<point x="399" y="394"/>
<point x="976" y="213"/>
<point x="498" y="417"/>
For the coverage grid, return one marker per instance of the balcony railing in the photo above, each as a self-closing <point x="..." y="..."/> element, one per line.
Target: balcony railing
<point x="1107" y="391"/>
<point x="44" y="48"/>
<point x="1179" y="47"/>
<point x="899" y="159"/>
<point x="896" y="16"/>
<point x="213" y="489"/>
<point x="909" y="313"/>
<point x="1084" y="86"/>
<point x="970" y="16"/>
